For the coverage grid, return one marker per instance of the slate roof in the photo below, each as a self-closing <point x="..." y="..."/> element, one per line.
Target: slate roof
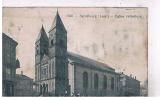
<point x="42" y="34"/>
<point x="8" y="37"/>
<point x="57" y="23"/>
<point x="89" y="62"/>
<point x="129" y="77"/>
<point x="22" y="77"/>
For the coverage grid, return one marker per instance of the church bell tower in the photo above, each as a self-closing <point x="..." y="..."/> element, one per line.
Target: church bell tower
<point x="58" y="55"/>
<point x="41" y="49"/>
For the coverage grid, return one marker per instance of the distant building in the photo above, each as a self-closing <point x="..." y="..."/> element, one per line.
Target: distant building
<point x="144" y="91"/>
<point x="9" y="64"/>
<point x="23" y="85"/>
<point x="130" y="86"/>
<point x="144" y="88"/>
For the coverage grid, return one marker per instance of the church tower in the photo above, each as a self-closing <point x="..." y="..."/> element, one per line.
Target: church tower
<point x="58" y="55"/>
<point x="41" y="49"/>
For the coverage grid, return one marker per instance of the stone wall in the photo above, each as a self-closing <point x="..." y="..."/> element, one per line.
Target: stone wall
<point x="76" y="82"/>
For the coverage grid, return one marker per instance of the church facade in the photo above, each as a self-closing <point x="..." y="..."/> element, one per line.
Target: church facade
<point x="62" y="73"/>
<point x="51" y="62"/>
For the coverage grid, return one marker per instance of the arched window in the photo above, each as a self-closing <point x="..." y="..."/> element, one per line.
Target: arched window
<point x="41" y="90"/>
<point x="52" y="42"/>
<point x="45" y="48"/>
<point x="112" y="83"/>
<point x="104" y="82"/>
<point x="37" y="49"/>
<point x="96" y="81"/>
<point x="46" y="88"/>
<point x="61" y="42"/>
<point x="85" y="80"/>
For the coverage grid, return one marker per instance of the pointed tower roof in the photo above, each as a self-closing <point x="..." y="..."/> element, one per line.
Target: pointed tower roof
<point x="57" y="23"/>
<point x="42" y="34"/>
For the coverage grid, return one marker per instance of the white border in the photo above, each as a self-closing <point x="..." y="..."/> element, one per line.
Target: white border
<point x="75" y="3"/>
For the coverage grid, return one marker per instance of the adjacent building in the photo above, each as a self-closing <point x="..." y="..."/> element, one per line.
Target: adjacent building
<point x="9" y="64"/>
<point x="60" y="73"/>
<point x="130" y="86"/>
<point x="23" y="85"/>
<point x="144" y="88"/>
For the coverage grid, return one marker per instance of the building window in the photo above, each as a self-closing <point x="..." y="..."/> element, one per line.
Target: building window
<point x="8" y="71"/>
<point x="41" y="87"/>
<point x="52" y="42"/>
<point x="37" y="51"/>
<point x="61" y="42"/>
<point x="104" y="82"/>
<point x="46" y="88"/>
<point x="45" y="49"/>
<point x="112" y="83"/>
<point x="96" y="81"/>
<point x="44" y="72"/>
<point x="85" y="80"/>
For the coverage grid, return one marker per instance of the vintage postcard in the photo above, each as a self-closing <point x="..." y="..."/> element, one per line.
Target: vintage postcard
<point x="75" y="51"/>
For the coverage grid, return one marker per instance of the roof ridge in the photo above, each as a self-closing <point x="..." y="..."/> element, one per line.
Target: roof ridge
<point x="22" y="76"/>
<point x="90" y="61"/>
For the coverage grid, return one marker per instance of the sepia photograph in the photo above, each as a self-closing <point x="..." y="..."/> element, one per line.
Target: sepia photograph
<point x="74" y="51"/>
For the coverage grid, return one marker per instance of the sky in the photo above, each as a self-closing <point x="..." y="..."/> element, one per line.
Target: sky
<point x="115" y="36"/>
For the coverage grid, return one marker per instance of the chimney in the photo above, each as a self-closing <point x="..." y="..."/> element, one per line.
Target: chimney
<point x="130" y="75"/>
<point x="21" y="72"/>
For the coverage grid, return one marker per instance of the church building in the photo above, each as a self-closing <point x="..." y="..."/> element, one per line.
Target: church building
<point x="51" y="61"/>
<point x="59" y="72"/>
